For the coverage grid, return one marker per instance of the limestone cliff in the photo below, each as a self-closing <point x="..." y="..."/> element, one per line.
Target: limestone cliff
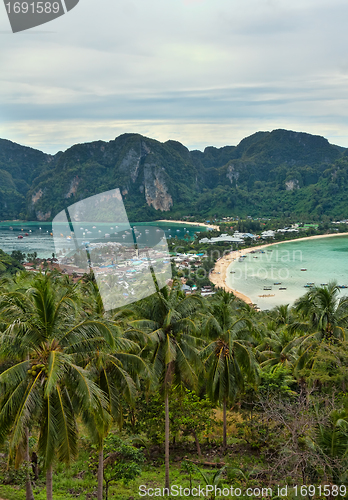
<point x="279" y="172"/>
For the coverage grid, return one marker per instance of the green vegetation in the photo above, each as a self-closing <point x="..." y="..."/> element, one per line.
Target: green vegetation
<point x="175" y="390"/>
<point x="278" y="173"/>
<point x="10" y="264"/>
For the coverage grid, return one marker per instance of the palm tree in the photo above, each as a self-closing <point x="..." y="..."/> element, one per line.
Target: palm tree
<point x="324" y="318"/>
<point x="324" y="311"/>
<point x="332" y="442"/>
<point x="46" y="336"/>
<point x="228" y="356"/>
<point x="278" y="348"/>
<point x="282" y="315"/>
<point x="116" y="370"/>
<point x="6" y="283"/>
<point x="167" y="323"/>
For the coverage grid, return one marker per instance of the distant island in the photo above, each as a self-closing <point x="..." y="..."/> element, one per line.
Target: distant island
<point x="277" y="174"/>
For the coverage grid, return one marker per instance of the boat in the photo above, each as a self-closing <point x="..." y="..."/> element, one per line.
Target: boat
<point x="277" y="283"/>
<point x="308" y="286"/>
<point x="232" y="272"/>
<point x="267" y="288"/>
<point x="312" y="284"/>
<point x="342" y="286"/>
<point x="282" y="288"/>
<point x="303" y="269"/>
<point x="323" y="284"/>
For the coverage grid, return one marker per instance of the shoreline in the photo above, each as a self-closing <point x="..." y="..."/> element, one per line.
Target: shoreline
<point x="219" y="274"/>
<point x="198" y="224"/>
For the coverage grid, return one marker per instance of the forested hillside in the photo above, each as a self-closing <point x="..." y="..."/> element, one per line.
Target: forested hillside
<point x="266" y="174"/>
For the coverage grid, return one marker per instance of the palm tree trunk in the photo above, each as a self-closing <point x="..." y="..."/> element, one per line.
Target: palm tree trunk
<point x="29" y="495"/>
<point x="166" y="451"/>
<point x="224" y="439"/>
<point x="198" y="446"/>
<point x="49" y="488"/>
<point x="100" y="473"/>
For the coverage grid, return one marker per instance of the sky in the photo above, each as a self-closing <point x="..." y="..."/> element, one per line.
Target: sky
<point x="202" y="72"/>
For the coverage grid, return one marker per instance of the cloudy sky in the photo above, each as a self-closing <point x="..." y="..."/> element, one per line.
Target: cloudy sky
<point x="203" y="72"/>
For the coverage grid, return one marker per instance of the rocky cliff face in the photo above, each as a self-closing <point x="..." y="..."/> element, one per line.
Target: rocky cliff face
<point x="149" y="173"/>
<point x="156" y="189"/>
<point x="265" y="173"/>
<point x="143" y="170"/>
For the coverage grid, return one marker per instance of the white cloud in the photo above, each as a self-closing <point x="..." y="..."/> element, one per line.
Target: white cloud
<point x="202" y="70"/>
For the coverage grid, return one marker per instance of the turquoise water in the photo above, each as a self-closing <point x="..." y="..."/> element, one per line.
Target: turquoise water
<point x="39" y="237"/>
<point x="325" y="260"/>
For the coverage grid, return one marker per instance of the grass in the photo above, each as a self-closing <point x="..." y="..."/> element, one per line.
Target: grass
<point x="74" y="483"/>
<point x="79" y="481"/>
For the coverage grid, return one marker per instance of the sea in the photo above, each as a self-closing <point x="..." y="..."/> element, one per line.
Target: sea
<point x="37" y="236"/>
<point x="276" y="275"/>
<point x="282" y="273"/>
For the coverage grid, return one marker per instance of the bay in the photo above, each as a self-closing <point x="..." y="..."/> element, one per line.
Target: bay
<point x="39" y="234"/>
<point x="294" y="266"/>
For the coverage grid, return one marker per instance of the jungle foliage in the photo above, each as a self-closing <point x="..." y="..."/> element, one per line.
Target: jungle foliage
<point x="278" y="173"/>
<point x="94" y="402"/>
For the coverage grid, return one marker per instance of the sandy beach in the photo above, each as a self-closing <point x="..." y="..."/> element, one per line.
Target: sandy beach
<point x="219" y="274"/>
<point x="201" y="224"/>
